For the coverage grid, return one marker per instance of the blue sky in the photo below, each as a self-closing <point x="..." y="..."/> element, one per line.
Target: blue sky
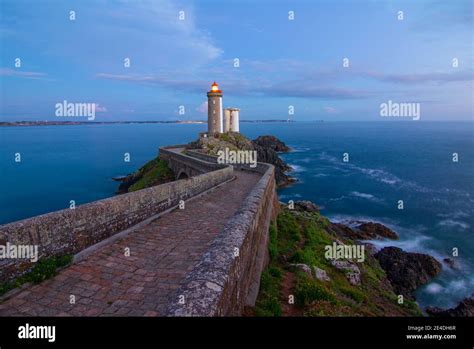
<point x="282" y="62"/>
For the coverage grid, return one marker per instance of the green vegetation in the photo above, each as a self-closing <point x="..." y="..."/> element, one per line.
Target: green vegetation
<point x="269" y="302"/>
<point x="301" y="237"/>
<point x="152" y="173"/>
<point x="309" y="290"/>
<point x="236" y="139"/>
<point x="43" y="270"/>
<point x="230" y="140"/>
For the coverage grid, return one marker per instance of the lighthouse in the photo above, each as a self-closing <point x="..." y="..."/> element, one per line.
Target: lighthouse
<point x="215" y="122"/>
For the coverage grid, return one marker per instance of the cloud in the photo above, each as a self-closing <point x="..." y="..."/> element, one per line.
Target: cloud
<point x="243" y="87"/>
<point x="149" y="32"/>
<point x="100" y="108"/>
<point x="203" y="107"/>
<point x="187" y="85"/>
<point x="420" y="78"/>
<point x="330" y="110"/>
<point x="21" y="74"/>
<point x="309" y="89"/>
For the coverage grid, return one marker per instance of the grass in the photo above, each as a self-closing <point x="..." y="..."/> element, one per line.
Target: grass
<point x="301" y="237"/>
<point x="308" y="291"/>
<point x="152" y="173"/>
<point x="43" y="270"/>
<point x="269" y="303"/>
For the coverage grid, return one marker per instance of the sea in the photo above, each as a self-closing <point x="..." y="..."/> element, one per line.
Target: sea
<point x="352" y="170"/>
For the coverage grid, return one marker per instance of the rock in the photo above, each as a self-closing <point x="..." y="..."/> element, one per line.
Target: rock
<point x="376" y="230"/>
<point x="321" y="274"/>
<point x="351" y="270"/>
<point x="266" y="147"/>
<point x="451" y="263"/>
<point x="272" y="142"/>
<point x="343" y="231"/>
<point x="407" y="271"/>
<point x="269" y="156"/>
<point x="363" y="231"/>
<point x="303" y="267"/>
<point x="464" y="309"/>
<point x="307" y="206"/>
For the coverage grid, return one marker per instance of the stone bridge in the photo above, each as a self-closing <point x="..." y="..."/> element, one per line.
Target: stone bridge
<point x="141" y="254"/>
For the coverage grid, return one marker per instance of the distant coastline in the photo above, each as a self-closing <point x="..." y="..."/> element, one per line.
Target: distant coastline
<point x="64" y="123"/>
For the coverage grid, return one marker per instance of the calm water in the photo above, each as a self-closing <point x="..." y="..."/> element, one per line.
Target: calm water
<point x="409" y="161"/>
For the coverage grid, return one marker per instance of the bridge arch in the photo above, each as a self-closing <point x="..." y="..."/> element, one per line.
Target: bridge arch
<point x="182" y="175"/>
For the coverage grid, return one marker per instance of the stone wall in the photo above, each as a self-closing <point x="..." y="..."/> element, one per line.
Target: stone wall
<point x="70" y="231"/>
<point x="260" y="168"/>
<point x="228" y="276"/>
<point x="190" y="165"/>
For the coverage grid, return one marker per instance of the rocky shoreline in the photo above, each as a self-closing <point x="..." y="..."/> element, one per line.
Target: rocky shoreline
<point x="405" y="271"/>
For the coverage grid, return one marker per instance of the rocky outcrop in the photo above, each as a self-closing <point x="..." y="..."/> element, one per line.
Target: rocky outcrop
<point x="271" y="142"/>
<point x="364" y="231"/>
<point x="407" y="271"/>
<point x="451" y="263"/>
<point x="267" y="148"/>
<point x="350" y="269"/>
<point x="372" y="230"/>
<point x="303" y="267"/>
<point x="321" y="274"/>
<point x="307" y="206"/>
<point x="464" y="309"/>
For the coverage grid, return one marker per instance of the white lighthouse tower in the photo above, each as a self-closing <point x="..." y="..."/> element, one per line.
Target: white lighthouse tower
<point x="231" y="120"/>
<point x="215" y="120"/>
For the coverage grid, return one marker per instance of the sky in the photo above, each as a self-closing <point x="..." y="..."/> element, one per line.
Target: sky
<point x="176" y="49"/>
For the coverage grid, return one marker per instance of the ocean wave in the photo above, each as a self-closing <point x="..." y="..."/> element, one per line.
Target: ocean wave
<point x="413" y="244"/>
<point x="366" y="196"/>
<point x="377" y="174"/>
<point x="434" y="288"/>
<point x="306" y="160"/>
<point x="341" y="218"/>
<point x="461" y="287"/>
<point x="453" y="223"/>
<point x="358" y="195"/>
<point x="338" y="198"/>
<point x="290" y="197"/>
<point x="457" y="214"/>
<point x="298" y="149"/>
<point x="411" y="239"/>
<point x="297" y="168"/>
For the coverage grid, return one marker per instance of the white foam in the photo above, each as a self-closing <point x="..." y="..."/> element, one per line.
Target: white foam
<point x="434" y="288"/>
<point x="366" y="196"/>
<point x="453" y="223"/>
<point x="297" y="168"/>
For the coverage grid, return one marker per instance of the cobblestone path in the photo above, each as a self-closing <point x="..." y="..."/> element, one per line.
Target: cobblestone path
<point x="108" y="283"/>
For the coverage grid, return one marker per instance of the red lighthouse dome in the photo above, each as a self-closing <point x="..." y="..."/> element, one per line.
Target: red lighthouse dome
<point x="215" y="87"/>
